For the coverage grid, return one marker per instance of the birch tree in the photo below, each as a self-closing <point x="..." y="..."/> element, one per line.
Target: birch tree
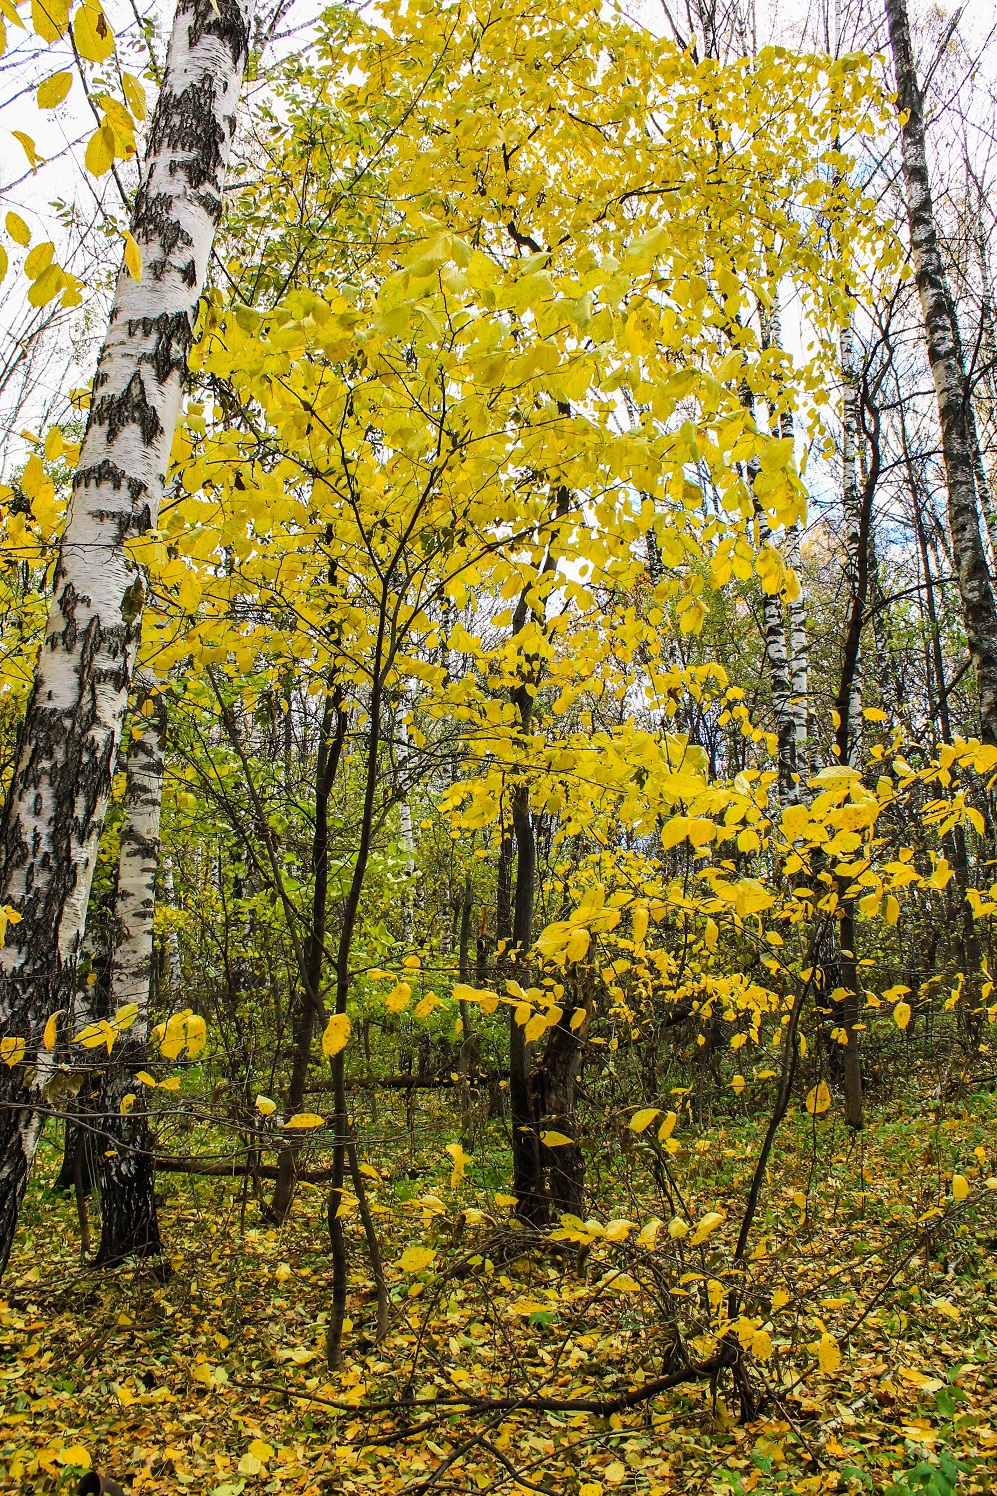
<point x="127" y="1174"/>
<point x="58" y="798"/>
<point x="955" y="409"/>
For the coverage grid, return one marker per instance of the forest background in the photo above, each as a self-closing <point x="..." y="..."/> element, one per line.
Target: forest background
<point x="498" y="718"/>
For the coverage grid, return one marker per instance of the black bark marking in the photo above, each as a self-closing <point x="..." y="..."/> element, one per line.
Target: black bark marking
<point x="130" y="408"/>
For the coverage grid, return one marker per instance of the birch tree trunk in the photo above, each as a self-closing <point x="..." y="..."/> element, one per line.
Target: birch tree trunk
<point x="799" y="634"/>
<point x="948" y="371"/>
<point x="855" y="561"/>
<point x="129" y="1227"/>
<point x="55" y="809"/>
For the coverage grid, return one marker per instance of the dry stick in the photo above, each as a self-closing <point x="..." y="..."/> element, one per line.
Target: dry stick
<point x="790" y="1054"/>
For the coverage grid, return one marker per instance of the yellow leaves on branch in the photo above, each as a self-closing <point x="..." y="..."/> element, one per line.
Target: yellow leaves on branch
<point x="184" y="1031"/>
<point x="305" y="1121"/>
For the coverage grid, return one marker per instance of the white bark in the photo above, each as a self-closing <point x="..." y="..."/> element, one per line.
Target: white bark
<point x="58" y="799"/>
<point x="138" y="861"/>
<point x="955" y="408"/>
<point x="851" y="507"/>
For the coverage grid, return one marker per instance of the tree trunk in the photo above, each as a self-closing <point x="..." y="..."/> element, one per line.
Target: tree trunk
<point x="308" y="1005"/>
<point x="129" y="1227"/>
<point x="58" y="797"/>
<point x="955" y="410"/>
<point x="856" y="552"/>
<point x="554" y="1088"/>
<point x="775" y="647"/>
<point x="527" y="1183"/>
<point x="799" y="637"/>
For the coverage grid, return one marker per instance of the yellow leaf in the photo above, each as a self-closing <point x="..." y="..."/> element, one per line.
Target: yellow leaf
<point x="336" y="1036"/>
<point x="425" y="1005"/>
<point x="18" y="229"/>
<point x="145" y="1078"/>
<point x="677" y="1228"/>
<point x="134" y="94"/>
<point x="127" y="1102"/>
<point x="398" y="997"/>
<point x="960" y="1187"/>
<point x="738" y="1084"/>
<point x="12" y="1051"/>
<point x="51" y="1030"/>
<point x="47" y="286"/>
<point x="125" y="1017"/>
<point x="708" y="1224"/>
<point x="94" y="1034"/>
<point x="414" y="1259"/>
<point x="641" y="1121"/>
<point x="54" y="444"/>
<point x="819" y="1100"/>
<point x="828" y="1354"/>
<point x="667" y="1127"/>
<point x="52" y="92"/>
<point x="74" y="1454"/>
<point x="133" y="258"/>
<point x="555" y="1140"/>
<point x="196" y="1035"/>
<point x="282" y="1272"/>
<point x="250" y="1464"/>
<point x="265" y="1106"/>
<point x="172" y="1083"/>
<point x="460" y="1162"/>
<point x="99" y="154"/>
<point x="305" y="1119"/>
<point x="578" y="944"/>
<point x="3" y="262"/>
<point x="891" y="909"/>
<point x="901" y="1015"/>
<point x="506" y="1200"/>
<point x="94" y="38"/>
<point x="262" y="1450"/>
<point x="28" y="146"/>
<point x="761" y="1345"/>
<point x="49" y="19"/>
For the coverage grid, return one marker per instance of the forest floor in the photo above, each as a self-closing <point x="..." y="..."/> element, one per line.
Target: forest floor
<point x="215" y="1382"/>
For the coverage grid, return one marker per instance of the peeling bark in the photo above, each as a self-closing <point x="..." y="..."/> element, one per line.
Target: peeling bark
<point x="58" y="798"/>
<point x="955" y="413"/>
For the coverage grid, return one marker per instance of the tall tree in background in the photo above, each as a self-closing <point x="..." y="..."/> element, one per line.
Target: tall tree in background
<point x="69" y="739"/>
<point x="955" y="409"/>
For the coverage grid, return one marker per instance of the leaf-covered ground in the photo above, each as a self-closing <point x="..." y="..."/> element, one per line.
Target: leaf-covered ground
<point x="215" y="1381"/>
